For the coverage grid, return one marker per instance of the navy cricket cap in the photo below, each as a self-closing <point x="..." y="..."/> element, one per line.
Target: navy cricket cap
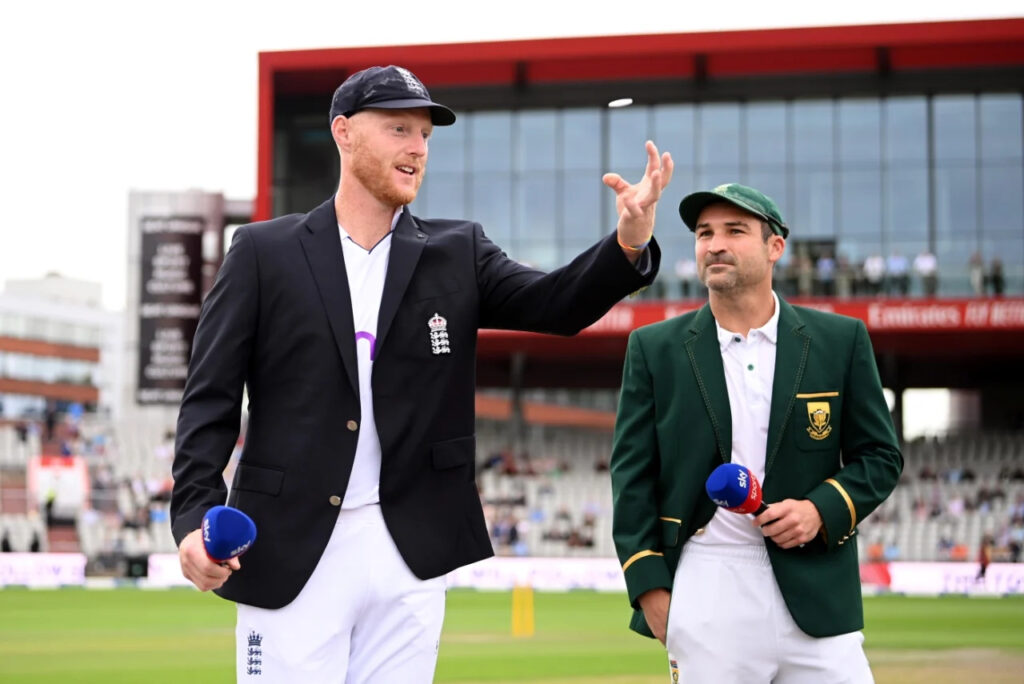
<point x="390" y="87"/>
<point x="747" y="199"/>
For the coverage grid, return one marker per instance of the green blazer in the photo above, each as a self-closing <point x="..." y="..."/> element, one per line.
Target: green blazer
<point x="830" y="440"/>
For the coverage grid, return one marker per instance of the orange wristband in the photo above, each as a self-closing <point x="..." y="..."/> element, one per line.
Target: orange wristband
<point x="641" y="248"/>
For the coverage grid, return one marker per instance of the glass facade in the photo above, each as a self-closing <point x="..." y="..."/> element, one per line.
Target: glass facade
<point x="48" y="329"/>
<point x="46" y="369"/>
<point x="862" y="176"/>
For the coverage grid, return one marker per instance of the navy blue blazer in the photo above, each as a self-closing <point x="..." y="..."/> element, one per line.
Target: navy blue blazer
<point x="278" y="320"/>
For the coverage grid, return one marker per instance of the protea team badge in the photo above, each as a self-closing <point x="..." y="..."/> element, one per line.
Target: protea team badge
<point x="819" y="414"/>
<point x="438" y="325"/>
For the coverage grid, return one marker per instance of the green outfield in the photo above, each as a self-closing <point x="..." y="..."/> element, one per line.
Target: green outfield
<point x="136" y="636"/>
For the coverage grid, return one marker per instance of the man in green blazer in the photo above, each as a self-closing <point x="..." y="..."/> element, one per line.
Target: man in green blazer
<point x="794" y="395"/>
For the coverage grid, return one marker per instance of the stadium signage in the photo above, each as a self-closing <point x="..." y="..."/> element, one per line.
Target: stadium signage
<point x="40" y="570"/>
<point x="169" y="301"/>
<point x="892" y="315"/>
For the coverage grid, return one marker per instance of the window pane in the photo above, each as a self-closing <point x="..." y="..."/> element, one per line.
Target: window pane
<point x="673" y="132"/>
<point x="860" y="131"/>
<point x="955" y="131"/>
<point x="906" y="129"/>
<point x="955" y="200"/>
<point x="719" y="143"/>
<point x="535" y="142"/>
<point x="443" y="195"/>
<point x="581" y="139"/>
<point x="813" y="213"/>
<point x="535" y="235"/>
<point x="953" y="254"/>
<point x="765" y="141"/>
<point x="1001" y="118"/>
<point x="581" y="210"/>
<point x="447" y="149"/>
<point x="492" y="205"/>
<point x="906" y="194"/>
<point x="627" y="131"/>
<point x="860" y="209"/>
<point x="1002" y="207"/>
<point x="812" y="133"/>
<point x="491" y="141"/>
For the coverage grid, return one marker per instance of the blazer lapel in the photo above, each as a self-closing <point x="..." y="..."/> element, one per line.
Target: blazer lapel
<point x="706" y="359"/>
<point x="790" y="359"/>
<point x="322" y="244"/>
<point x="407" y="244"/>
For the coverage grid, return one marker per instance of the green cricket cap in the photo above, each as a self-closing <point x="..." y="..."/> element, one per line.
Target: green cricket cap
<point x="747" y="199"/>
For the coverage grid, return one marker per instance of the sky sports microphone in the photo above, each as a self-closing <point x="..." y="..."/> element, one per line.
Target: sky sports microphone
<point x="227" y="533"/>
<point x="734" y="488"/>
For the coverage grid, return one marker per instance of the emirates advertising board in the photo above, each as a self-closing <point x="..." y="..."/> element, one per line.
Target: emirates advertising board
<point x="169" y="302"/>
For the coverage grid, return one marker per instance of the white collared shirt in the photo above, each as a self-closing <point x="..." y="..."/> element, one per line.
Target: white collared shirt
<point x="749" y="373"/>
<point x="366" y="271"/>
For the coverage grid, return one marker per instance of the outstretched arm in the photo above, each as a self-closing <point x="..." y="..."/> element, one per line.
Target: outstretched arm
<point x="635" y="204"/>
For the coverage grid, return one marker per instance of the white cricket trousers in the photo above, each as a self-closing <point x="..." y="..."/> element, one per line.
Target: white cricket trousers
<point x="363" y="617"/>
<point x="728" y="622"/>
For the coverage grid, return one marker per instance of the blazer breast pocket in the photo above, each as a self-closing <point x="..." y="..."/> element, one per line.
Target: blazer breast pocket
<point x="817" y="420"/>
<point x="260" y="479"/>
<point x="434" y="288"/>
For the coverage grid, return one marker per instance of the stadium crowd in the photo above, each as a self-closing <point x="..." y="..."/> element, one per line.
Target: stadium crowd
<point x="549" y="496"/>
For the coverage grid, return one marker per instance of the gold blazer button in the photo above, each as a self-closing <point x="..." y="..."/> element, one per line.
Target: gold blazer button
<point x="698" y="532"/>
<point x="352" y="425"/>
<point x="335" y="500"/>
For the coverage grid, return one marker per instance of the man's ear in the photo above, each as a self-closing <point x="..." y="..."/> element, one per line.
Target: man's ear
<point x="341" y="131"/>
<point x="776" y="248"/>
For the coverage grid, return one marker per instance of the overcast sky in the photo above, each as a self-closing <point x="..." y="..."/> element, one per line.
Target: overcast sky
<point x="103" y="97"/>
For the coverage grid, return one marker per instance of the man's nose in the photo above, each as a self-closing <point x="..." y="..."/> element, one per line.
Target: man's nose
<point x="418" y="146"/>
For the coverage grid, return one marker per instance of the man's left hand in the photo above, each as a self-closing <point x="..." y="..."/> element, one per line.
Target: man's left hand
<point x="790" y="522"/>
<point x="635" y="203"/>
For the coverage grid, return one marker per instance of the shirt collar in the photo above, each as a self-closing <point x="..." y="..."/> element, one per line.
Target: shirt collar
<point x="394" y="222"/>
<point x="770" y="330"/>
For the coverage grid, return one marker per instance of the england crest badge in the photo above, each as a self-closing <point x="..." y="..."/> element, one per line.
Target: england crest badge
<point x="439" y="344"/>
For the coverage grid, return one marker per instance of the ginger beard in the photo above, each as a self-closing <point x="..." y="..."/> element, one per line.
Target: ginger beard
<point x="378" y="175"/>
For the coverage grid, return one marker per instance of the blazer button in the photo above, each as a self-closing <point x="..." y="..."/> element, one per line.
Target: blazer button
<point x="352" y="426"/>
<point x="698" y="532"/>
<point x="335" y="500"/>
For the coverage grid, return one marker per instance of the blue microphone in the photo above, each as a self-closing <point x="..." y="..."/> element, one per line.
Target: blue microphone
<point x="227" y="533"/>
<point x="734" y="488"/>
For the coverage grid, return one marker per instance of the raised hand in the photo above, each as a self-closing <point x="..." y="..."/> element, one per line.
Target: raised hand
<point x="635" y="204"/>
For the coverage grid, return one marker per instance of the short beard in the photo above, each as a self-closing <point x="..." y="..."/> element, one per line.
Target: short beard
<point x="372" y="174"/>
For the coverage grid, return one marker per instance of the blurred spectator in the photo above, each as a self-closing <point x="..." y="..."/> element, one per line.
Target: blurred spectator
<point x="51" y="419"/>
<point x="36" y="545"/>
<point x="995" y="278"/>
<point x="984" y="557"/>
<point x="876" y="552"/>
<point x="804" y="276"/>
<point x="976" y="273"/>
<point x="686" y="272"/>
<point x="874" y="273"/>
<point x="825" y="275"/>
<point x="5" y="543"/>
<point x="846" y="277"/>
<point x="927" y="268"/>
<point x="899" y="274"/>
<point x="958" y="553"/>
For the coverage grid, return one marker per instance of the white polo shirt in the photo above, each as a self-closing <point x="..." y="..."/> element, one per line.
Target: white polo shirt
<point x="749" y="373"/>
<point x="366" y="271"/>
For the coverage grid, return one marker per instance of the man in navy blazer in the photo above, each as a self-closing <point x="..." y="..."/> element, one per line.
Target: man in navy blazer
<point x="353" y="328"/>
